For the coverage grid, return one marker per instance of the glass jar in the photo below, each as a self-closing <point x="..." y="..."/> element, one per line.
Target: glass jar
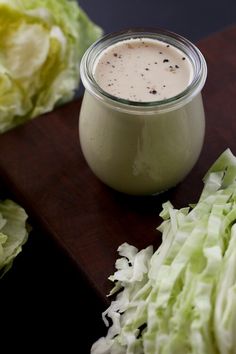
<point x="142" y="148"/>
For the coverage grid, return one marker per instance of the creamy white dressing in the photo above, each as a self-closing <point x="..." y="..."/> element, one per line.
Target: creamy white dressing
<point x="133" y="149"/>
<point x="143" y="70"/>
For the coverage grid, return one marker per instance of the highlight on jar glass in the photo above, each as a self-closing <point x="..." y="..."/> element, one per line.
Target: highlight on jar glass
<point x="142" y="121"/>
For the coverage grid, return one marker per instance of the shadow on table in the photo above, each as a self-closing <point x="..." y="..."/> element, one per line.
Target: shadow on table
<point x="45" y="305"/>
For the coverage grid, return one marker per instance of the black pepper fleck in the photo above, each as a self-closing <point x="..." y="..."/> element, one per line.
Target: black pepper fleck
<point x="108" y="62"/>
<point x="183" y="58"/>
<point x="153" y="92"/>
<point x="177" y="66"/>
<point x="167" y="46"/>
<point x="165" y="60"/>
<point x="146" y="69"/>
<point x="115" y="54"/>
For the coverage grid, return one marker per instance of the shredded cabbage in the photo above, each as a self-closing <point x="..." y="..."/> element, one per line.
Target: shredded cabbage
<point x="41" y="44"/>
<point x="182" y="298"/>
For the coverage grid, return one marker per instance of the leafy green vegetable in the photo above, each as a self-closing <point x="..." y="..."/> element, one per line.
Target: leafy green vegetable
<point x="13" y="233"/>
<point x="182" y="298"/>
<point x="41" y="44"/>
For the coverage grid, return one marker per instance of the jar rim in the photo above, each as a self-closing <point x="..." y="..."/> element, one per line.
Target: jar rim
<point x="187" y="47"/>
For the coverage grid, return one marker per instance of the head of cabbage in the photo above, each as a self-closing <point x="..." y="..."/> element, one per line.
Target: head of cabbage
<point x="41" y="44"/>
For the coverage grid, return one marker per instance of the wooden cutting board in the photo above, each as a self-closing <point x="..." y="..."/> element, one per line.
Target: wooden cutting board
<point x="42" y="165"/>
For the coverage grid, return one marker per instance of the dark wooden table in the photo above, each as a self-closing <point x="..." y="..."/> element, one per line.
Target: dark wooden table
<point x="42" y="166"/>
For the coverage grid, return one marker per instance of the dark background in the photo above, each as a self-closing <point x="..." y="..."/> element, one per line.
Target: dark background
<point x="46" y="305"/>
<point x="192" y="19"/>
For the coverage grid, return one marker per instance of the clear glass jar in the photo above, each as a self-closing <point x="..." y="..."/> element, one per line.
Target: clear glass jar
<point x="142" y="148"/>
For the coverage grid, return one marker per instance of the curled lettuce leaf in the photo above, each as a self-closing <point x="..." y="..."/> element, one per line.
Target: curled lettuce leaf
<point x="41" y="44"/>
<point x="181" y="298"/>
<point x="13" y="233"/>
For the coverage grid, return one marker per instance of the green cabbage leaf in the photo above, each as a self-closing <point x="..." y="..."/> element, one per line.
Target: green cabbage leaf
<point x="13" y="233"/>
<point x="41" y="44"/>
<point x="181" y="298"/>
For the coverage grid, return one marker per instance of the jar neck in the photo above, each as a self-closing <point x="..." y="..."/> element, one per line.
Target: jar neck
<point x="189" y="49"/>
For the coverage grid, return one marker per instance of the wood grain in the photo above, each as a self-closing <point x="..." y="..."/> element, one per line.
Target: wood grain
<point x="42" y="165"/>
